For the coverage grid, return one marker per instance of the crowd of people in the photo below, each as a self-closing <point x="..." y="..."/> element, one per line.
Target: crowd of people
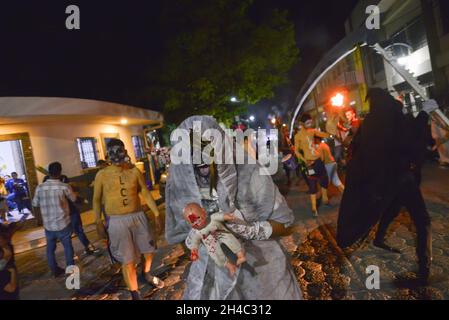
<point x="381" y="158"/>
<point x="317" y="155"/>
<point x="14" y="195"/>
<point x="231" y="216"/>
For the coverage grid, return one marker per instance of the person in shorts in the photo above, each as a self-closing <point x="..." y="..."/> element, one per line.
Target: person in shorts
<point x="306" y="151"/>
<point x="118" y="187"/>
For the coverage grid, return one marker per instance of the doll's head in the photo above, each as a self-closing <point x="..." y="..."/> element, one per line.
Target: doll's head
<point x="195" y="215"/>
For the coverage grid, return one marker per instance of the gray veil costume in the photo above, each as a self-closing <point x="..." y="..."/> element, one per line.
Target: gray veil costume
<point x="258" y="200"/>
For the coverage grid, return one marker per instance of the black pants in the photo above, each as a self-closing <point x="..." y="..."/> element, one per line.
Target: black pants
<point x="410" y="197"/>
<point x="320" y="177"/>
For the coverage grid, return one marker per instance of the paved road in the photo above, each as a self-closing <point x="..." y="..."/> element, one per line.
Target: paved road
<point x="322" y="269"/>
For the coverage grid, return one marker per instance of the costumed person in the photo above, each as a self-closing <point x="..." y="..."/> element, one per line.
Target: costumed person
<point x="330" y="164"/>
<point x="440" y="134"/>
<point x="226" y="188"/>
<point x="118" y="187"/>
<point x="417" y="129"/>
<point x="380" y="179"/>
<point x="347" y="129"/>
<point x="207" y="230"/>
<point x="307" y="152"/>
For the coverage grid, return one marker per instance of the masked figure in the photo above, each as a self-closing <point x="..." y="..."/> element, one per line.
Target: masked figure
<point x="118" y="187"/>
<point x="259" y="204"/>
<point x="381" y="179"/>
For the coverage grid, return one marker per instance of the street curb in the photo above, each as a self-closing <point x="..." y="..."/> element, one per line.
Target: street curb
<point x="42" y="242"/>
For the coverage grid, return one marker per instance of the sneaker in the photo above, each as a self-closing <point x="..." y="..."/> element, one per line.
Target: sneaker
<point x="58" y="272"/>
<point x="91" y="250"/>
<point x="315" y="213"/>
<point x="154" y="281"/>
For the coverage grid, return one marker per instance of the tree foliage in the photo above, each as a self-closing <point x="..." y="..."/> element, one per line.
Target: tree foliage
<point x="216" y="49"/>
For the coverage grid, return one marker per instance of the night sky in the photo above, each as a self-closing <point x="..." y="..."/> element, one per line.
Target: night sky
<point x="110" y="57"/>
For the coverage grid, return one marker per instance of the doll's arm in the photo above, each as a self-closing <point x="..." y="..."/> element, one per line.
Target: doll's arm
<point x="193" y="242"/>
<point x="223" y="217"/>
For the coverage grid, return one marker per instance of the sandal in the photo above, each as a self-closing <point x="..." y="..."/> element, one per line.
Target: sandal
<point x="154" y="281"/>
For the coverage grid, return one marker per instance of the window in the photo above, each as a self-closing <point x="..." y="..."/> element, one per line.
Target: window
<point x="413" y="34"/>
<point x="138" y="147"/>
<point x="88" y="152"/>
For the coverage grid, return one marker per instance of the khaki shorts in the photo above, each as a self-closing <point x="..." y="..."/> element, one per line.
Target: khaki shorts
<point x="130" y="237"/>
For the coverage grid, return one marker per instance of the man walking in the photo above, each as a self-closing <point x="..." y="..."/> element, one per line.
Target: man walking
<point x="77" y="223"/>
<point x="52" y="198"/>
<point x="118" y="187"/>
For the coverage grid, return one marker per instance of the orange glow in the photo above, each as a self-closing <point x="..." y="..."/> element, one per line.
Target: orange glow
<point x="338" y="100"/>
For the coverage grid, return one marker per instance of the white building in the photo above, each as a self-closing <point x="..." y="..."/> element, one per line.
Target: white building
<point x="37" y="131"/>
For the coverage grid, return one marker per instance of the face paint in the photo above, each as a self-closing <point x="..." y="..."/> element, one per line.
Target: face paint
<point x="193" y="218"/>
<point x="197" y="219"/>
<point x="118" y="155"/>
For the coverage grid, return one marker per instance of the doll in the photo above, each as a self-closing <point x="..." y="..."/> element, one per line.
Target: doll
<point x="212" y="233"/>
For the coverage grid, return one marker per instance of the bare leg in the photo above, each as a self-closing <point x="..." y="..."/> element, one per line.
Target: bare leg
<point x="325" y="196"/>
<point x="148" y="262"/>
<point x="130" y="276"/>
<point x="153" y="280"/>
<point x="313" y="203"/>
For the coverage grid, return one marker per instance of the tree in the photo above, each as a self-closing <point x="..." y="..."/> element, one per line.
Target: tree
<point x="216" y="49"/>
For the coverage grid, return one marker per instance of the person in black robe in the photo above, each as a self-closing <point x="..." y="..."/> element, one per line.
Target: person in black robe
<point x="381" y="179"/>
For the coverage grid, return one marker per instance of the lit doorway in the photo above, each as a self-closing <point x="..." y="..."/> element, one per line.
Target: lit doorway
<point x="18" y="177"/>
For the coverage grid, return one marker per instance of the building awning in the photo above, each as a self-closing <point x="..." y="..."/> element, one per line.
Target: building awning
<point x="15" y="110"/>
